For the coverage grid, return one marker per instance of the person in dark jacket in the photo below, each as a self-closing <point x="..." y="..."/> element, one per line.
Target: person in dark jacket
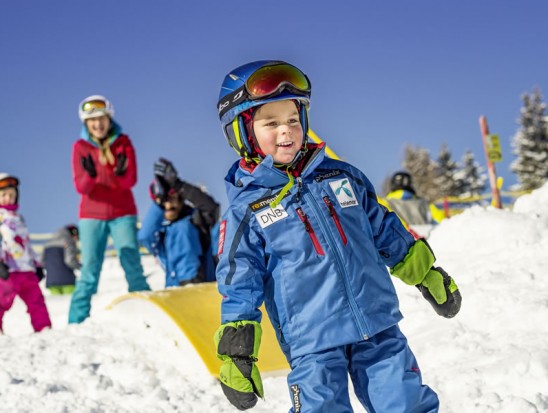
<point x="104" y="168"/>
<point x="305" y="235"/>
<point x="60" y="259"/>
<point x="178" y="227"/>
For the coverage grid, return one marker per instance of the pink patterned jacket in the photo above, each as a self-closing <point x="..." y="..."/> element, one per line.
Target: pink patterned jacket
<point x="15" y="249"/>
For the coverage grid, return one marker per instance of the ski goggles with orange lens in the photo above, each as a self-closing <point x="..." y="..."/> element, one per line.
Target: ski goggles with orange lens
<point x="9" y="183"/>
<point x="93" y="105"/>
<point x="266" y="82"/>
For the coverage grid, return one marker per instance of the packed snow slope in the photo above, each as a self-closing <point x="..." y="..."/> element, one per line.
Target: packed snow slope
<point x="493" y="357"/>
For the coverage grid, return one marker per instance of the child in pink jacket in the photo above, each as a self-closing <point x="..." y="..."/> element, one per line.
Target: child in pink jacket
<point x="20" y="271"/>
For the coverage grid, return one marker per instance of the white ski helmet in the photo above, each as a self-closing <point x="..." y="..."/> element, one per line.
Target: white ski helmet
<point x="9" y="181"/>
<point x="95" y="106"/>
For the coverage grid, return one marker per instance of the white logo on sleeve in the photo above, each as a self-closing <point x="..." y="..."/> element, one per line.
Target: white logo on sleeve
<point x="344" y="193"/>
<point x="269" y="216"/>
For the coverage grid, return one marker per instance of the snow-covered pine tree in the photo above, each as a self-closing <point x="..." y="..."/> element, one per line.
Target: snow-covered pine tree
<point x="444" y="172"/>
<point x="470" y="178"/>
<point x="420" y="166"/>
<point x="530" y="143"/>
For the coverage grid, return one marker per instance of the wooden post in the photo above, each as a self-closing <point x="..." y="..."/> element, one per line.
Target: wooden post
<point x="490" y="165"/>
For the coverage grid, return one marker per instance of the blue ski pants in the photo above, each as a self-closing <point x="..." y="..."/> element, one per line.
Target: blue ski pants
<point x="93" y="242"/>
<point x="383" y="370"/>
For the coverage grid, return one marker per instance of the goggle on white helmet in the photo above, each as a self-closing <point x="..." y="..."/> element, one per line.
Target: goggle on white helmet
<point x="95" y="106"/>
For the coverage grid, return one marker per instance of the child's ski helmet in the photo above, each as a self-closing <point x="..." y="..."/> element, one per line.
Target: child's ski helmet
<point x="95" y="106"/>
<point x="72" y="229"/>
<point x="9" y="181"/>
<point x="255" y="84"/>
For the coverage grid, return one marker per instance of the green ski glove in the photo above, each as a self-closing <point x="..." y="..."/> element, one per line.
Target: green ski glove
<point x="436" y="286"/>
<point x="440" y="290"/>
<point x="238" y="346"/>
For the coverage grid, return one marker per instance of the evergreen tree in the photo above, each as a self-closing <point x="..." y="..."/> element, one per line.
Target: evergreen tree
<point x="531" y="143"/>
<point x="420" y="166"/>
<point x="445" y="173"/>
<point x="470" y="178"/>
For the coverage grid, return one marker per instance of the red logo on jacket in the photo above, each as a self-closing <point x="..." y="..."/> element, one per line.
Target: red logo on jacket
<point x="222" y="233"/>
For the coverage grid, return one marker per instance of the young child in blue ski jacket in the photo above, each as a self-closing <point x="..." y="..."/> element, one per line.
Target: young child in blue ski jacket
<point x="306" y="235"/>
<point x="177" y="228"/>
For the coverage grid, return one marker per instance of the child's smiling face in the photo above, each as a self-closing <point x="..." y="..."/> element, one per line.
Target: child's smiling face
<point x="8" y="196"/>
<point x="278" y="130"/>
<point x="98" y="127"/>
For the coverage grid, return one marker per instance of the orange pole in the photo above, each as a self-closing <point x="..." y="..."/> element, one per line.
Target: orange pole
<point x="490" y="165"/>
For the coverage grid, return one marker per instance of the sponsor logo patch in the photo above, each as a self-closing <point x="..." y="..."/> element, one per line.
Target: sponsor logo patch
<point x="265" y="215"/>
<point x="296" y="396"/>
<point x="222" y="233"/>
<point x="344" y="193"/>
<point x="327" y="175"/>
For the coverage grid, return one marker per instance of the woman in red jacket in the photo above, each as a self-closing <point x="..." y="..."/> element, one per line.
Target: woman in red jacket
<point x="104" y="169"/>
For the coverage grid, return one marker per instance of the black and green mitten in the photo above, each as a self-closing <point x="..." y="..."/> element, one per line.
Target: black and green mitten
<point x="238" y="347"/>
<point x="436" y="286"/>
<point x="441" y="292"/>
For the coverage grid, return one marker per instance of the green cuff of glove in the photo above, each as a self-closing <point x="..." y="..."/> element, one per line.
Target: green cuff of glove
<point x="416" y="264"/>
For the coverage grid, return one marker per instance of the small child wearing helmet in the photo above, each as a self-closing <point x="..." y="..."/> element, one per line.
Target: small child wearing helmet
<point x="60" y="258"/>
<point x="305" y="234"/>
<point x="104" y="168"/>
<point x="20" y="269"/>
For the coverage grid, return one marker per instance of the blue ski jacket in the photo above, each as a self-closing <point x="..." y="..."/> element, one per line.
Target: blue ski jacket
<point x="177" y="246"/>
<point x="318" y="260"/>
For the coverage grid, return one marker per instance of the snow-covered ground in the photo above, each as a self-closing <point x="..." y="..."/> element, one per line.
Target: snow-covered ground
<point x="493" y="357"/>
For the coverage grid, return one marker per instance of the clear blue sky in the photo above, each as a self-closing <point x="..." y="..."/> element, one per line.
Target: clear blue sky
<point x="384" y="74"/>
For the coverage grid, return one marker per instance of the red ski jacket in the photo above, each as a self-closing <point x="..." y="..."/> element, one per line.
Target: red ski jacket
<point x="106" y="196"/>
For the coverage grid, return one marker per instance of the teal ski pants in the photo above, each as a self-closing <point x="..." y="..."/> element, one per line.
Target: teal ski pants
<point x="93" y="242"/>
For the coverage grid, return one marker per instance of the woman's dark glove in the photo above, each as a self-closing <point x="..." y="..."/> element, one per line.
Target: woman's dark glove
<point x="89" y="165"/>
<point x="121" y="164"/>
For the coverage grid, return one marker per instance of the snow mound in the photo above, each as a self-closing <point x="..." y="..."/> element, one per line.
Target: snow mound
<point x="492" y="357"/>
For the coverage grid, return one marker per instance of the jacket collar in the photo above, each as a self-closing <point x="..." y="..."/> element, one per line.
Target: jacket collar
<point x="266" y="175"/>
<point x="114" y="132"/>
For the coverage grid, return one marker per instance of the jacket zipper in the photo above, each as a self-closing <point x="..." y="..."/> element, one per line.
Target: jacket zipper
<point x="336" y="219"/>
<point x="340" y="264"/>
<point x="310" y="230"/>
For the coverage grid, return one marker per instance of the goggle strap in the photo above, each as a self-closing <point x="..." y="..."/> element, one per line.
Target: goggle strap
<point x="231" y="100"/>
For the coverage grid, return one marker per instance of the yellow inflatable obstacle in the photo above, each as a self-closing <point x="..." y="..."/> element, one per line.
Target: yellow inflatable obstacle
<point x="195" y="310"/>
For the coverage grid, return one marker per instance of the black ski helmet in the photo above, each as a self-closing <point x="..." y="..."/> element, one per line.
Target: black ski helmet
<point x="401" y="180"/>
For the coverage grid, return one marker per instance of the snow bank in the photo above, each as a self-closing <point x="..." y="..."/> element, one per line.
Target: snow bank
<point x="492" y="357"/>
